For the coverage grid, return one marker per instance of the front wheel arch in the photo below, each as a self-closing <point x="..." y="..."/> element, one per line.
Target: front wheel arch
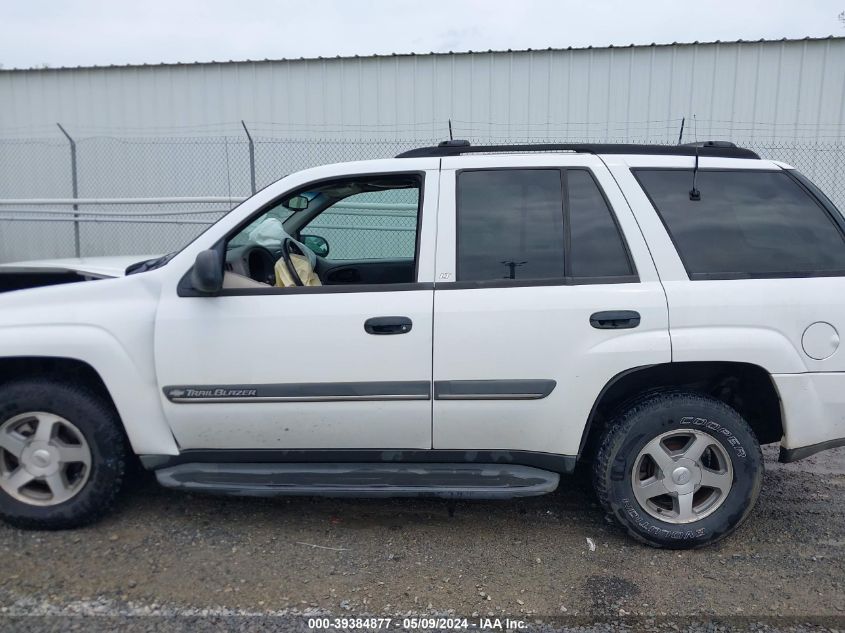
<point x="107" y="363"/>
<point x="61" y="369"/>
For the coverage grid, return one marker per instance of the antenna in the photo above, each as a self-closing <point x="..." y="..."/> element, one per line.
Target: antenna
<point x="681" y="133"/>
<point x="451" y="138"/>
<point x="694" y="194"/>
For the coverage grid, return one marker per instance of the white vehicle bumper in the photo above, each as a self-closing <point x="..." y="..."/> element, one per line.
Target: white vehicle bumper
<point x="813" y="407"/>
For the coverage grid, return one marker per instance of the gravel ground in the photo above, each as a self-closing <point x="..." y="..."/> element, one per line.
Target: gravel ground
<point x="214" y="561"/>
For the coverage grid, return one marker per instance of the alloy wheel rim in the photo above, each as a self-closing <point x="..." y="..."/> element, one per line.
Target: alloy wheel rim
<point x="682" y="476"/>
<point x="44" y="459"/>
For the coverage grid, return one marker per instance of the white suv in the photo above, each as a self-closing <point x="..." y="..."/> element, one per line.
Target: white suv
<point x="460" y="321"/>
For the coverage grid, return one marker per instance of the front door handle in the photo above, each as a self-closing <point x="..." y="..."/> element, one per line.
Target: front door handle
<point x="615" y="319"/>
<point x="388" y="325"/>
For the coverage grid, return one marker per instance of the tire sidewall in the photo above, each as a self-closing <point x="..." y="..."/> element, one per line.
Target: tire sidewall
<point x="718" y="421"/>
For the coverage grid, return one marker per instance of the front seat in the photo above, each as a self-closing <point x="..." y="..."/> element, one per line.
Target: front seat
<point x="270" y="233"/>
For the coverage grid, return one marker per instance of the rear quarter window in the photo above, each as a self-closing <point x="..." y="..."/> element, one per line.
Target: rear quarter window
<point x="747" y="224"/>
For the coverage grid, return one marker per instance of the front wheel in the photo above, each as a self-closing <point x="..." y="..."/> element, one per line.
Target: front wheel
<point x="678" y="470"/>
<point x="62" y="455"/>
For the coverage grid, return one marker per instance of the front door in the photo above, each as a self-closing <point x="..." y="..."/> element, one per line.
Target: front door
<point x="545" y="291"/>
<point x="307" y="367"/>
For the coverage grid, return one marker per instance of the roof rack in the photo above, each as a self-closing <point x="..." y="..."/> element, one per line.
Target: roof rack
<point x="722" y="149"/>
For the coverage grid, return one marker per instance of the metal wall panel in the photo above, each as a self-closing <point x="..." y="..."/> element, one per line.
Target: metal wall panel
<point x="780" y="89"/>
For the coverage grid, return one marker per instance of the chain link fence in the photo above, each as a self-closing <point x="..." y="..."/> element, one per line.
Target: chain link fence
<point x="222" y="170"/>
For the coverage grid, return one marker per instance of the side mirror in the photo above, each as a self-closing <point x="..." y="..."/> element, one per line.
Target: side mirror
<point x="297" y="203"/>
<point x="316" y="243"/>
<point x="207" y="276"/>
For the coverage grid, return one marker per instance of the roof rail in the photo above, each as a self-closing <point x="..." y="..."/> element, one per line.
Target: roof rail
<point x="709" y="144"/>
<point x="722" y="149"/>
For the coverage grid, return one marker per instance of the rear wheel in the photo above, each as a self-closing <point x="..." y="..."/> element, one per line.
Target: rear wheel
<point x="678" y="470"/>
<point x="62" y="455"/>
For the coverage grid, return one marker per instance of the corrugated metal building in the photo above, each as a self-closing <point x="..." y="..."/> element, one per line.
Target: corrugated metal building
<point x="792" y="88"/>
<point x="175" y="129"/>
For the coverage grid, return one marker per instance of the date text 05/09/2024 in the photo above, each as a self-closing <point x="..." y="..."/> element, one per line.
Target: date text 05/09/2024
<point x="417" y="624"/>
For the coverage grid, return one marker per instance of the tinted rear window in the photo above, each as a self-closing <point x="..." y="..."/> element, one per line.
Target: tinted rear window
<point x="537" y="224"/>
<point x="747" y="224"/>
<point x="510" y="225"/>
<point x="596" y="248"/>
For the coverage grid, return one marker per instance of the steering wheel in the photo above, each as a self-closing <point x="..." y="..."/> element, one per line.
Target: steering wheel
<point x="287" y="243"/>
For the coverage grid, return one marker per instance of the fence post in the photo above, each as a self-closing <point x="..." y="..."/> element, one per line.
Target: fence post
<point x="251" y="158"/>
<point x="75" y="186"/>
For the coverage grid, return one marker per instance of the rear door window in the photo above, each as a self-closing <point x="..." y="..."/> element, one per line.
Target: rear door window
<point x="535" y="225"/>
<point x="510" y="224"/>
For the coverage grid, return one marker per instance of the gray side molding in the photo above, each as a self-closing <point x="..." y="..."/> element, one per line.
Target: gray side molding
<point x="344" y="391"/>
<point x="300" y="392"/>
<point x="492" y="389"/>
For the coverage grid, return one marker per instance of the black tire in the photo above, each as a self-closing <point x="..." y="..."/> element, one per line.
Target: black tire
<point x="648" y="418"/>
<point x="101" y="428"/>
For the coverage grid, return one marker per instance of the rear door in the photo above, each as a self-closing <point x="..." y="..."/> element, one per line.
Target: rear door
<point x="545" y="290"/>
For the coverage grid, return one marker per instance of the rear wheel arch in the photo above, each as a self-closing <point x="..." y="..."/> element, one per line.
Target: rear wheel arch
<point x="745" y="387"/>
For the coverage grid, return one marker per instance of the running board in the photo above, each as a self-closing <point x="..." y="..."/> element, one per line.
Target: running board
<point x="452" y="481"/>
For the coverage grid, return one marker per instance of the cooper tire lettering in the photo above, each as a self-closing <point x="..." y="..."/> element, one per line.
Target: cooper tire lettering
<point x="710" y="425"/>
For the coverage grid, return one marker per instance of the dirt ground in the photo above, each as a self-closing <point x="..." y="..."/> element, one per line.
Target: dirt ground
<point x="167" y="552"/>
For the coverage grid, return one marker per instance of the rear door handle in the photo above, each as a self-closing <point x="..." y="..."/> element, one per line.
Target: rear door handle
<point x="615" y="319"/>
<point x="388" y="325"/>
